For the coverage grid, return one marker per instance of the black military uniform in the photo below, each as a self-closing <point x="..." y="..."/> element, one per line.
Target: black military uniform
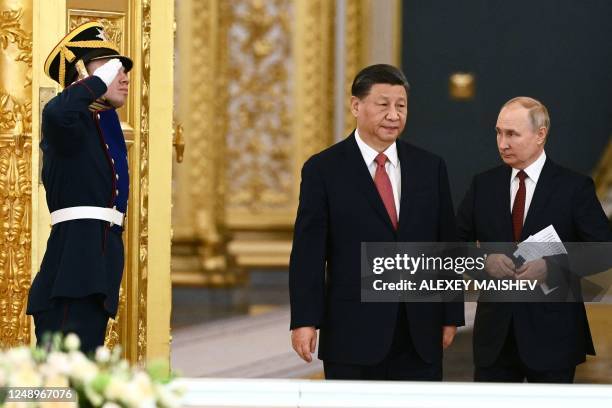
<point x="85" y="174"/>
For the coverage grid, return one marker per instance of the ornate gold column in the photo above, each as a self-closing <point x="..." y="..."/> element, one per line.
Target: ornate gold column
<point x="199" y="235"/>
<point x="357" y="26"/>
<point x="15" y="169"/>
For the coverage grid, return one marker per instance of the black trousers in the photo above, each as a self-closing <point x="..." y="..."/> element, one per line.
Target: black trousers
<point x="402" y="363"/>
<point x="86" y="317"/>
<point x="509" y="368"/>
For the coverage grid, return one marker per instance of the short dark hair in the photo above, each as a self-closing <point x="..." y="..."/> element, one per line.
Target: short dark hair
<point x="377" y="74"/>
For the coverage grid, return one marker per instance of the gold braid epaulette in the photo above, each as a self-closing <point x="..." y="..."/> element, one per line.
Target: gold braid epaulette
<point x="99" y="105"/>
<point x="67" y="55"/>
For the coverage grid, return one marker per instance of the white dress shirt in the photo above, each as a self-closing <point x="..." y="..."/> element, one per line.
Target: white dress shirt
<point x="533" y="174"/>
<point x="392" y="166"/>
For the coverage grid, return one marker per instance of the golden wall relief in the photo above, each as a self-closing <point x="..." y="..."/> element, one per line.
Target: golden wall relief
<point x="314" y="55"/>
<point x="257" y="104"/>
<point x="114" y="24"/>
<point x="199" y="255"/>
<point x="143" y="229"/>
<point x="15" y="239"/>
<point x="207" y="151"/>
<point x="258" y="137"/>
<point x="15" y="169"/>
<point x="294" y="121"/>
<point x="354" y="38"/>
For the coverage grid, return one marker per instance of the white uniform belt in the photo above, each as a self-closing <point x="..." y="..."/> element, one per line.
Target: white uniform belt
<point x="96" y="213"/>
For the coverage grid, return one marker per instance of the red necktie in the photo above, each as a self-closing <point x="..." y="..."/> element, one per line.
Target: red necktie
<point x="518" y="208"/>
<point x="383" y="185"/>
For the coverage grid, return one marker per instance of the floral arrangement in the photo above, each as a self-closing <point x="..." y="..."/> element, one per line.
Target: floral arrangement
<point x="105" y="380"/>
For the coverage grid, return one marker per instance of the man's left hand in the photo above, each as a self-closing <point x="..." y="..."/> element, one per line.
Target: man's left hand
<point x="534" y="271"/>
<point x="448" y="334"/>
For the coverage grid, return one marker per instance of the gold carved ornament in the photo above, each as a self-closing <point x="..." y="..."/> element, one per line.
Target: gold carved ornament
<point x="259" y="176"/>
<point x="15" y="184"/>
<point x="143" y="230"/>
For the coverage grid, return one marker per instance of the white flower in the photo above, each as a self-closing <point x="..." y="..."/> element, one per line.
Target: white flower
<point x="103" y="355"/>
<point x="2" y="377"/>
<point x="116" y="389"/>
<point x="93" y="397"/>
<point x="72" y="342"/>
<point x="82" y="369"/>
<point x="18" y="356"/>
<point x="24" y="377"/>
<point x="56" y="380"/>
<point x="139" y="392"/>
<point x="58" y="362"/>
<point x="168" y="395"/>
<point x="122" y="386"/>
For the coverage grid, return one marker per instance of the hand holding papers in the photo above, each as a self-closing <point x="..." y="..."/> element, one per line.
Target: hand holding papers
<point x="544" y="243"/>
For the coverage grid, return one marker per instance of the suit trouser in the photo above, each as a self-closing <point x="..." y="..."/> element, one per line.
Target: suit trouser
<point x="86" y="317"/>
<point x="402" y="363"/>
<point x="509" y="368"/>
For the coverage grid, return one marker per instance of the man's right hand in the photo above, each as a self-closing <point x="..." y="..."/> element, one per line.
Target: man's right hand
<point x="500" y="266"/>
<point x="108" y="71"/>
<point x="304" y="342"/>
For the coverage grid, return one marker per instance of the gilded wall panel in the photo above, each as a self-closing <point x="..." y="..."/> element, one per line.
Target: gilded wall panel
<point x="255" y="105"/>
<point x="259" y="172"/>
<point x="314" y="79"/>
<point x="143" y="229"/>
<point x="15" y="169"/>
<point x="199" y="106"/>
<point x="114" y="24"/>
<point x="354" y="43"/>
<point x="15" y="238"/>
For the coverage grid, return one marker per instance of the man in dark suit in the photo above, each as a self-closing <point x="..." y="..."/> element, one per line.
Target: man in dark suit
<point x="370" y="187"/>
<point x="85" y="174"/>
<point x="537" y="342"/>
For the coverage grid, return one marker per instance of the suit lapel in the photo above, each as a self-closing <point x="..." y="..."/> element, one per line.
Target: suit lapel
<point x="501" y="189"/>
<point x="541" y="195"/>
<point x="409" y="171"/>
<point x="358" y="171"/>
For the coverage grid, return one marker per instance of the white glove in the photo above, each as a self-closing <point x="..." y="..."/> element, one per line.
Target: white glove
<point x="108" y="71"/>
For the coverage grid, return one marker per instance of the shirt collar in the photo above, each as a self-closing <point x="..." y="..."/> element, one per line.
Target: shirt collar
<point x="534" y="169"/>
<point x="370" y="154"/>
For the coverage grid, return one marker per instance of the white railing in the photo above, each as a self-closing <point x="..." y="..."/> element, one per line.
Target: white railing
<point x="249" y="393"/>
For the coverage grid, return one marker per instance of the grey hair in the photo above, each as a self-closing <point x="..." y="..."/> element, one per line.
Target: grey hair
<point x="538" y="114"/>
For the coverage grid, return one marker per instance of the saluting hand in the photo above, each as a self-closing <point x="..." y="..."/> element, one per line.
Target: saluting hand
<point x="108" y="71"/>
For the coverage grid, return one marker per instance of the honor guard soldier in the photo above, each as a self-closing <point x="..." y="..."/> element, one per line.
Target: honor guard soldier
<point x="85" y="174"/>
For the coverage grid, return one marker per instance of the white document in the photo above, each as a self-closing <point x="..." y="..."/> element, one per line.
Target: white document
<point x="547" y="243"/>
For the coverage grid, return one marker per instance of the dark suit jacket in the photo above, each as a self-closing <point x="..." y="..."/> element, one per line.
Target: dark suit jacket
<point x="83" y="257"/>
<point x="548" y="335"/>
<point x="339" y="209"/>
